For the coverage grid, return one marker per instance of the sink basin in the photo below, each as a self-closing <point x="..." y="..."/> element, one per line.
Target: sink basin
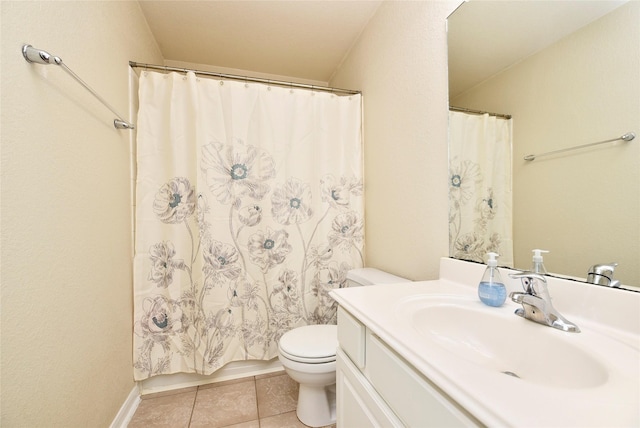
<point x="472" y="353"/>
<point x="497" y="340"/>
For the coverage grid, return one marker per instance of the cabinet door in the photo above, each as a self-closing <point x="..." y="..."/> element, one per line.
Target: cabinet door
<point x="358" y="404"/>
<point x="413" y="398"/>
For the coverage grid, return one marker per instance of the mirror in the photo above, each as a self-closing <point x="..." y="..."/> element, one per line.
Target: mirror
<point x="567" y="72"/>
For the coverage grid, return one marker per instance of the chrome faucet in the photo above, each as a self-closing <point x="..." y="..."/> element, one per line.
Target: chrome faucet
<point x="536" y="302"/>
<point x="603" y="275"/>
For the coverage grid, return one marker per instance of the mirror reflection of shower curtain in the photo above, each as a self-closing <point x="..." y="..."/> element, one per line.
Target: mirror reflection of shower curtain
<point x="480" y="187"/>
<point x="249" y="211"/>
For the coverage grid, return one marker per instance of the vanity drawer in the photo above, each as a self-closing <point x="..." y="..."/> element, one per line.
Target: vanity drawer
<point x="351" y="337"/>
<point x="416" y="401"/>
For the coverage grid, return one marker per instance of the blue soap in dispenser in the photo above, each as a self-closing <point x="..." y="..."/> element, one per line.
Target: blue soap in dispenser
<point x="491" y="289"/>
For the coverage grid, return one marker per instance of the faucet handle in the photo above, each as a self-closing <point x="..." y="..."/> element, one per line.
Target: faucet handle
<point x="603" y="269"/>
<point x="527" y="278"/>
<point x="602" y="274"/>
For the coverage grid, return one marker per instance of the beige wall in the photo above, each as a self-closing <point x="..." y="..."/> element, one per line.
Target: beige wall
<point x="400" y="64"/>
<point x="584" y="206"/>
<point x="66" y="234"/>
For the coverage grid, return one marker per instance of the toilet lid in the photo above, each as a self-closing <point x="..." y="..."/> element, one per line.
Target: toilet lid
<point x="311" y="343"/>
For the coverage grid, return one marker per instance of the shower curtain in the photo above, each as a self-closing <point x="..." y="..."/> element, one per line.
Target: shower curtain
<point x="480" y="191"/>
<point x="249" y="210"/>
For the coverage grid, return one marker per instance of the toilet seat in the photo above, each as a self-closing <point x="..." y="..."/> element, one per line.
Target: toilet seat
<point x="311" y="344"/>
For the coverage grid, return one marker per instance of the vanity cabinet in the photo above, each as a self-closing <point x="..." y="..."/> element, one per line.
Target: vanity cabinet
<point x="376" y="387"/>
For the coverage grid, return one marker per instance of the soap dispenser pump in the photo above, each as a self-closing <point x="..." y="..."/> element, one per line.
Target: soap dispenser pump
<point x="491" y="289"/>
<point x="538" y="265"/>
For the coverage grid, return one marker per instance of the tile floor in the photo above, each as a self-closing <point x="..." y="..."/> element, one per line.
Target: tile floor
<point x="265" y="401"/>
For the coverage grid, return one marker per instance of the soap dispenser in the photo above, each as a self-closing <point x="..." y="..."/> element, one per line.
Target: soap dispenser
<point x="491" y="289"/>
<point x="538" y="265"/>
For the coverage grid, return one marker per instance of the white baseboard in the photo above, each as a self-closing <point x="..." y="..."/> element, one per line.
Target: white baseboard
<point x="233" y="370"/>
<point x="127" y="410"/>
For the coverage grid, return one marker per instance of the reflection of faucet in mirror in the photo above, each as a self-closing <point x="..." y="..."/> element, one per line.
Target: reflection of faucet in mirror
<point x="603" y="275"/>
<point x="536" y="302"/>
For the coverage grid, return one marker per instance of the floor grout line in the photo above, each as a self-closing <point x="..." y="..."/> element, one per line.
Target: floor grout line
<point x="193" y="406"/>
<point x="255" y="388"/>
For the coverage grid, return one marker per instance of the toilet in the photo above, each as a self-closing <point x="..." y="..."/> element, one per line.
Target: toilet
<point x="308" y="355"/>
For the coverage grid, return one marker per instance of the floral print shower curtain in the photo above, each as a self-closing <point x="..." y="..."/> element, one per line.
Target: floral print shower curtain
<point x="249" y="210"/>
<point x="480" y="191"/>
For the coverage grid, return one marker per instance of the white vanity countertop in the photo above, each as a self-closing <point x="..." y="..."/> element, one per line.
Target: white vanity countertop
<point x="493" y="397"/>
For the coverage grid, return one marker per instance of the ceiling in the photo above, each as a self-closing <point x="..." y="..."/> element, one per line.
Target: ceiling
<point x="308" y="39"/>
<point x="485" y="37"/>
<point x="302" y="39"/>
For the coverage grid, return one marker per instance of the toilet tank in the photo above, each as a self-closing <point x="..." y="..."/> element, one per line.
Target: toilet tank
<point x="369" y="276"/>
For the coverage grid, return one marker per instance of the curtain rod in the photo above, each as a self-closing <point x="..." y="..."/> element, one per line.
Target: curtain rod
<point x="38" y="56"/>
<point x="626" y="137"/>
<point x="466" y="110"/>
<point x="244" y="78"/>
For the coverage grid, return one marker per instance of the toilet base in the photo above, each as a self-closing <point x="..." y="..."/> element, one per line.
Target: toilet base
<point x="317" y="405"/>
